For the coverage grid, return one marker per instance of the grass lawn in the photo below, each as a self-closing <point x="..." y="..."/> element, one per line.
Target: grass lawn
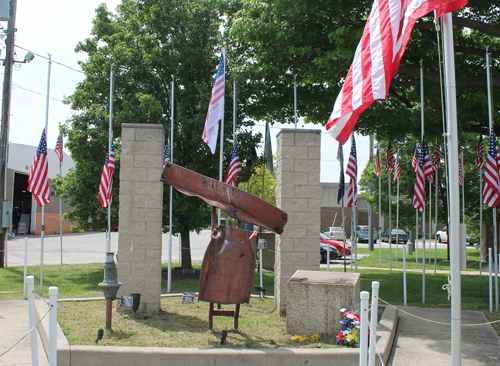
<point x="182" y="325"/>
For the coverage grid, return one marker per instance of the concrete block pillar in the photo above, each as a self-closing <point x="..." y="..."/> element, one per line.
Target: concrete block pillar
<point x="298" y="193"/>
<point x="141" y="204"/>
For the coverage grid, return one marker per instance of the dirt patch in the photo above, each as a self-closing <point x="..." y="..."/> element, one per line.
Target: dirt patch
<point x="179" y="274"/>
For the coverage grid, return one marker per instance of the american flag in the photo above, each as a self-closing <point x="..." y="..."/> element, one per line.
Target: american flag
<point x="427" y="161"/>
<point x="414" y="162"/>
<point x="389" y="160"/>
<point x="377" y="58"/>
<point x="377" y="163"/>
<point x="108" y="171"/>
<point x="59" y="149"/>
<point x="437" y="157"/>
<point x="397" y="170"/>
<point x="38" y="183"/>
<point x="491" y="192"/>
<point x="166" y="154"/>
<point x="460" y="173"/>
<point x="480" y="153"/>
<point x="352" y="172"/>
<point x="419" y="188"/>
<point x="234" y="168"/>
<point x="216" y="107"/>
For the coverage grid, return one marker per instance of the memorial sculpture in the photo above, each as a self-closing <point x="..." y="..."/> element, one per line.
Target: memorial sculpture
<point x="229" y="262"/>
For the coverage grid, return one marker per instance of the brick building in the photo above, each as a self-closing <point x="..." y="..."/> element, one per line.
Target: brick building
<point x="26" y="213"/>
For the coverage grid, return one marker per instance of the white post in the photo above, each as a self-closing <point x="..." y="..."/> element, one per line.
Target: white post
<point x="452" y="128"/>
<point x="328" y="258"/>
<point x="30" y="282"/>
<point x="490" y="283"/>
<point x="53" y="291"/>
<point x="260" y="269"/>
<point x="363" y="336"/>
<point x="404" y="275"/>
<point x="373" y="323"/>
<point x="463" y="249"/>
<point x="463" y="186"/>
<point x="172" y="111"/>
<point x="25" y="265"/>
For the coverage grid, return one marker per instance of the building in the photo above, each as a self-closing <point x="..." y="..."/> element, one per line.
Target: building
<point x="27" y="216"/>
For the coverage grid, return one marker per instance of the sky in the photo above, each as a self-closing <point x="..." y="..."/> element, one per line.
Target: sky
<point x="55" y="28"/>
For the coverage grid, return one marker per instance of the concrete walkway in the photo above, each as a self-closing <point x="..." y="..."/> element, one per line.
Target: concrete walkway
<point x="14" y="323"/>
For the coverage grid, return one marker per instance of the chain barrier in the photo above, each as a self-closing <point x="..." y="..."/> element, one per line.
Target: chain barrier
<point x="41" y="298"/>
<point x="372" y="339"/>
<point x="24" y="336"/>
<point x="434" y="321"/>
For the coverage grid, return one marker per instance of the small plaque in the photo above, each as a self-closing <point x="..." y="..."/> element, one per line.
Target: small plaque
<point x="262" y="244"/>
<point x="188" y="297"/>
<point x="126" y="301"/>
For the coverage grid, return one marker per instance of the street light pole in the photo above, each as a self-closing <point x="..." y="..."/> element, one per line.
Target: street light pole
<point x="7" y="83"/>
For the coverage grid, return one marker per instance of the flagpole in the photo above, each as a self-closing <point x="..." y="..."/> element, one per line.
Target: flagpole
<point x="110" y="141"/>
<point x="234" y="110"/>
<point x="423" y="205"/>
<point x="436" y="219"/>
<point x="495" y="230"/>
<point x="390" y="223"/>
<point x="221" y="143"/>
<point x="295" y="100"/>
<point x="463" y="185"/>
<point x="397" y="212"/>
<point x="430" y="220"/>
<point x="379" y="213"/>
<point x="451" y="120"/>
<point x="172" y="111"/>
<point x="43" y="207"/>
<point x="60" y="200"/>
<point x="480" y="220"/>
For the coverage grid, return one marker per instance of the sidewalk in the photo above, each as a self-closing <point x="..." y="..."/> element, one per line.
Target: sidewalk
<point x="14" y="323"/>
<point x="420" y="342"/>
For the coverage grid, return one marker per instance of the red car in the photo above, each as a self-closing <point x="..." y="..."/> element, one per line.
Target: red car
<point x="339" y="245"/>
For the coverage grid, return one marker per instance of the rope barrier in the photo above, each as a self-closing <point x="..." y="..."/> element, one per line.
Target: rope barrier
<point x="434" y="321"/>
<point x="41" y="298"/>
<point x="372" y="339"/>
<point x="10" y="292"/>
<point x="24" y="336"/>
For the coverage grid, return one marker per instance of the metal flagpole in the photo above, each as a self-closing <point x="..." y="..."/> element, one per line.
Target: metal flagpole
<point x="454" y="230"/>
<point x="430" y="220"/>
<point x="170" y="209"/>
<point x="390" y="223"/>
<point x="43" y="207"/>
<point x="397" y="213"/>
<point x="495" y="229"/>
<point x="379" y="213"/>
<point x="295" y="100"/>
<point x="416" y="237"/>
<point x="343" y="228"/>
<point x="480" y="220"/>
<point x="463" y="185"/>
<point x="221" y="142"/>
<point x="110" y="141"/>
<point x="423" y="208"/>
<point x="60" y="200"/>
<point x="436" y="219"/>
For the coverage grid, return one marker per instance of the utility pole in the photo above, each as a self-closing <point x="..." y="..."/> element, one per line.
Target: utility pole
<point x="4" y="138"/>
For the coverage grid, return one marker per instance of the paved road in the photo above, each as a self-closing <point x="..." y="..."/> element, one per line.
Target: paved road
<point x="90" y="247"/>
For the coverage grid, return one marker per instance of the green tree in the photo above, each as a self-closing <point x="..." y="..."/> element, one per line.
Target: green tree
<point x="149" y="43"/>
<point x="262" y="186"/>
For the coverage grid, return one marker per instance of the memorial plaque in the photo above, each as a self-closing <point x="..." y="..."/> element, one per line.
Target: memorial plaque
<point x="262" y="244"/>
<point x="188" y="297"/>
<point x="126" y="301"/>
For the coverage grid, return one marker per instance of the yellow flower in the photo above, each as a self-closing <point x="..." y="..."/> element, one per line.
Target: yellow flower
<point x="296" y="338"/>
<point x="304" y="338"/>
<point x="315" y="337"/>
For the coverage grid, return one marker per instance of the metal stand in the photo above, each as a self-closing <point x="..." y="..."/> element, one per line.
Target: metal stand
<point x="220" y="312"/>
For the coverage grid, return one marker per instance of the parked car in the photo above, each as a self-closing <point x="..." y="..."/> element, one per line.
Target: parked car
<point x="363" y="233"/>
<point x="442" y="237"/>
<point x="334" y="254"/>
<point x="335" y="233"/>
<point x="338" y="245"/>
<point x="402" y="236"/>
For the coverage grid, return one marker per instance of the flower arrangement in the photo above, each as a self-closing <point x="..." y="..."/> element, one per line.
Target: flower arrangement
<point x="349" y="334"/>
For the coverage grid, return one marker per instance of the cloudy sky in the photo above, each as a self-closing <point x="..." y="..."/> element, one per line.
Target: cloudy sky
<point x="55" y="28"/>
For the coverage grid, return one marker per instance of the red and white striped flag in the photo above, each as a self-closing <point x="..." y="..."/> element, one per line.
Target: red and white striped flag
<point x="216" y="107"/>
<point x="480" y="153"/>
<point x="460" y="173"/>
<point x="397" y="170"/>
<point x="38" y="183"/>
<point x="389" y="159"/>
<point x="491" y="192"/>
<point x="424" y="170"/>
<point x="414" y="162"/>
<point x="108" y="171"/>
<point x="234" y="168"/>
<point x="427" y="161"/>
<point x="377" y="58"/>
<point x="59" y="149"/>
<point x="377" y="163"/>
<point x="437" y="157"/>
<point x="352" y="172"/>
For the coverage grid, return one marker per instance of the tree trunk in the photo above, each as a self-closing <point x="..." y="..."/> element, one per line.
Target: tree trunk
<point x="186" y="250"/>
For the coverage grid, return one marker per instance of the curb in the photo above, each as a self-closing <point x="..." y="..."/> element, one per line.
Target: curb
<point x="68" y="355"/>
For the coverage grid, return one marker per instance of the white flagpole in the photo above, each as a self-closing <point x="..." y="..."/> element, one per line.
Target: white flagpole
<point x="495" y="229"/>
<point x="416" y="238"/>
<point x="397" y="214"/>
<point x="295" y="100"/>
<point x="43" y="207"/>
<point x="60" y="200"/>
<point x="430" y="220"/>
<point x="390" y="223"/>
<point x="379" y="212"/>
<point x="454" y="230"/>
<point x="221" y="141"/>
<point x="436" y="219"/>
<point x="110" y="141"/>
<point x="423" y="208"/>
<point x="480" y="221"/>
<point x="463" y="185"/>
<point x="172" y="111"/>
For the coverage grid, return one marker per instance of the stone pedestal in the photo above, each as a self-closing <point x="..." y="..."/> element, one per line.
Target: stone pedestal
<point x="298" y="193"/>
<point x="141" y="204"/>
<point x="314" y="299"/>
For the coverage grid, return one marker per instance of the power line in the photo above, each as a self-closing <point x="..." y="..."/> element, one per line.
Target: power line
<point x="35" y="92"/>
<point x="46" y="58"/>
